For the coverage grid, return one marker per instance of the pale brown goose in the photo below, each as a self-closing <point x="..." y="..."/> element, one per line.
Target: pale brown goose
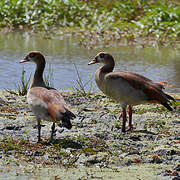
<point x="128" y="88"/>
<point x="45" y="102"/>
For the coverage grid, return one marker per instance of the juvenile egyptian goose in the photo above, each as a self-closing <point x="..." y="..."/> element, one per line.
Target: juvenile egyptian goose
<point x="45" y="102"/>
<point x="128" y="88"/>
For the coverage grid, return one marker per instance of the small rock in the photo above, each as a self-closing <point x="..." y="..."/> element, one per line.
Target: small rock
<point x="135" y="138"/>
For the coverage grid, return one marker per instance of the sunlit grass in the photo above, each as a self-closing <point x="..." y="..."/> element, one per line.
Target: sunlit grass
<point x="22" y="88"/>
<point x="81" y="87"/>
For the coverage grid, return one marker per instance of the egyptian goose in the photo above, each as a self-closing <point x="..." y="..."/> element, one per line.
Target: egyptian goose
<point x="128" y="88"/>
<point x="45" y="102"/>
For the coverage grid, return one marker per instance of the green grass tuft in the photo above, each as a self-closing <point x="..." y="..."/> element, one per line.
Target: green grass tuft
<point x="80" y="88"/>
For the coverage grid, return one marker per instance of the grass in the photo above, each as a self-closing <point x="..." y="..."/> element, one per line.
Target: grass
<point x="22" y="88"/>
<point x="48" y="78"/>
<point x="80" y="89"/>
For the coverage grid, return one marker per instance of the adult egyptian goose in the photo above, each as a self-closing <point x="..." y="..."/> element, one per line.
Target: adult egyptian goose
<point x="128" y="88"/>
<point x="45" y="102"/>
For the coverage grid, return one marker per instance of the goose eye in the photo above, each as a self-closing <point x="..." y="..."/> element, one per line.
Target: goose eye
<point x="31" y="55"/>
<point x="101" y="55"/>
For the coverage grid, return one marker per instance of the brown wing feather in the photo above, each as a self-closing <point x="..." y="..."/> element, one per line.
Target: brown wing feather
<point x="152" y="89"/>
<point x="56" y="105"/>
<point x="53" y="111"/>
<point x="159" y="85"/>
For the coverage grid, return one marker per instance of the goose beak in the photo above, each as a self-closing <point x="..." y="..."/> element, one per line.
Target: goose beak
<point x="24" y="60"/>
<point x="94" y="61"/>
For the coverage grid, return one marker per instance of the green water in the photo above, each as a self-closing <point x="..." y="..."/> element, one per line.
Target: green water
<point x="159" y="64"/>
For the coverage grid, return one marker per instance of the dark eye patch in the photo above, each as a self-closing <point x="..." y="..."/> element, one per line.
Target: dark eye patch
<point x="31" y="54"/>
<point x="101" y="55"/>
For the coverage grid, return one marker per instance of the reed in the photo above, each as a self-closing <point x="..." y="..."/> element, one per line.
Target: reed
<point x="21" y="88"/>
<point x="48" y="77"/>
<point x="81" y="87"/>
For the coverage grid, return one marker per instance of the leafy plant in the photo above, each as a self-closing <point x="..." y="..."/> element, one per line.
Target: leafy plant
<point x="97" y="22"/>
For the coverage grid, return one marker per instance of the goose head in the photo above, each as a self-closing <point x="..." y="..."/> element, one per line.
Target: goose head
<point x="37" y="58"/>
<point x="34" y="56"/>
<point x="104" y="58"/>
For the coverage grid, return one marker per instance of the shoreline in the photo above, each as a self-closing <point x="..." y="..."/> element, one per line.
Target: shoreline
<point x="95" y="40"/>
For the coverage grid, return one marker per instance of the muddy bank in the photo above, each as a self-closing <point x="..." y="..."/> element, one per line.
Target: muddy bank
<point x="94" y="148"/>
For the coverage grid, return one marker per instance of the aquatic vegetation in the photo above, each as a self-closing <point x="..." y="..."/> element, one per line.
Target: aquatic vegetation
<point x="80" y="88"/>
<point x="22" y="88"/>
<point x="48" y="77"/>
<point x="98" y="23"/>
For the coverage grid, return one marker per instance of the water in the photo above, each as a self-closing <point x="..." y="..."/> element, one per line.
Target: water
<point x="158" y="64"/>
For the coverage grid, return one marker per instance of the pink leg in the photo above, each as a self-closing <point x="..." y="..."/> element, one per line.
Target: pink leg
<point x="120" y="116"/>
<point x="124" y="119"/>
<point x="130" y="118"/>
<point x="53" y="129"/>
<point x="39" y="129"/>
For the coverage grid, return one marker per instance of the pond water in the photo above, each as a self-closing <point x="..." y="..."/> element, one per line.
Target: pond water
<point x="158" y="64"/>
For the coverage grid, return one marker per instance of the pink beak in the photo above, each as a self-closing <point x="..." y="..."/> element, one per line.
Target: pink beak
<point x="93" y="62"/>
<point x="24" y="60"/>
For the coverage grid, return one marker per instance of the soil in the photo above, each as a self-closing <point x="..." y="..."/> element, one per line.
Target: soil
<point x="95" y="148"/>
